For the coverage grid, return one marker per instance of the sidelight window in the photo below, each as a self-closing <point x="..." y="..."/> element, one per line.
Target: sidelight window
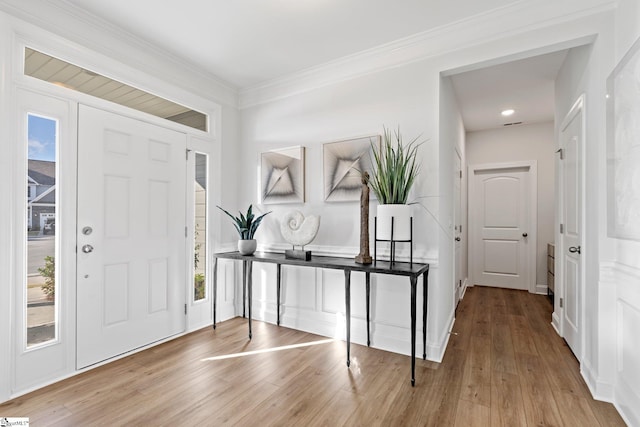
<point x="42" y="220"/>
<point x="200" y="228"/>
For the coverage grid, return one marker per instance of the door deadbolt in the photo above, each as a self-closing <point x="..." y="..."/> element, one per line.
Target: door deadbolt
<point x="87" y="230"/>
<point x="87" y="249"/>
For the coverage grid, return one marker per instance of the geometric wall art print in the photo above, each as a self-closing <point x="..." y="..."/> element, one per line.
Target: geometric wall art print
<point x="343" y="164"/>
<point x="623" y="147"/>
<point x="282" y="176"/>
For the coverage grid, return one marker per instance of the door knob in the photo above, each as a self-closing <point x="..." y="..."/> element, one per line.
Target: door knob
<point x="457" y="239"/>
<point x="87" y="249"/>
<point x="574" y="249"/>
<point x="524" y="234"/>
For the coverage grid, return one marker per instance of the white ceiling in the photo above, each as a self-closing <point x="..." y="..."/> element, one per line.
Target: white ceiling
<point x="526" y="86"/>
<point x="249" y="42"/>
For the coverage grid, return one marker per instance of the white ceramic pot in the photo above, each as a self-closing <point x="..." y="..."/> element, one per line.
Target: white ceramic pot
<point x="247" y="247"/>
<point x="401" y="215"/>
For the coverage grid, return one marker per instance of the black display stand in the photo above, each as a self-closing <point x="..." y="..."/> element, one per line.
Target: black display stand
<point x="392" y="255"/>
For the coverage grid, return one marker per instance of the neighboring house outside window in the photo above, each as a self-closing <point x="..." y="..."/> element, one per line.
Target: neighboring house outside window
<point x="41" y="194"/>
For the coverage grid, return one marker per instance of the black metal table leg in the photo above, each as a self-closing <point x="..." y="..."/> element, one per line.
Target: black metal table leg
<point x="278" y="279"/>
<point x="414" y="281"/>
<point x="244" y="288"/>
<point x="250" y="287"/>
<point x="368" y="290"/>
<point x="425" y="308"/>
<point x="215" y="289"/>
<point x="347" y="303"/>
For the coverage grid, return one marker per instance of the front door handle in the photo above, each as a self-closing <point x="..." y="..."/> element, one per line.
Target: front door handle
<point x="574" y="249"/>
<point x="87" y="249"/>
<point x="457" y="239"/>
<point x="524" y="234"/>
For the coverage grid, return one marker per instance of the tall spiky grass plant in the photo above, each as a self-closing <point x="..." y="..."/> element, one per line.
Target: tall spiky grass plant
<point x="394" y="168"/>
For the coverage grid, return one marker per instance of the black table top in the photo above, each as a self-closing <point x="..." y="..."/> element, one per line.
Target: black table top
<point x="381" y="267"/>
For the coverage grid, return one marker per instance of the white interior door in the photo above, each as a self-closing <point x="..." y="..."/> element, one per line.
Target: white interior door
<point x="571" y="170"/>
<point x="131" y="234"/>
<point x="457" y="226"/>
<point x="499" y="211"/>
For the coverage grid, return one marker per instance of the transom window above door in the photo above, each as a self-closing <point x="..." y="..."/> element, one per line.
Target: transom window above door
<point x="62" y="73"/>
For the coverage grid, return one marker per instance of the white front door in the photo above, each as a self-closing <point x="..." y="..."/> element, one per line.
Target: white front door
<point x="571" y="220"/>
<point x="131" y="234"/>
<point x="501" y="232"/>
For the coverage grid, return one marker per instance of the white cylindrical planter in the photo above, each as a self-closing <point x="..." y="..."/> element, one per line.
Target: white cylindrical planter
<point x="247" y="247"/>
<point x="401" y="222"/>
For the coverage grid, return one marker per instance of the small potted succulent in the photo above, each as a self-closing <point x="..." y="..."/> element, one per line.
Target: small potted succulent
<point x="246" y="225"/>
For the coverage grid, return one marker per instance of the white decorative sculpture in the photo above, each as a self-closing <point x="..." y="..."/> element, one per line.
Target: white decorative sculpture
<point x="299" y="231"/>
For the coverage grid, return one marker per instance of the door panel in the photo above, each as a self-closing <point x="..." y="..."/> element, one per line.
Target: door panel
<point x="131" y="264"/>
<point x="457" y="221"/>
<point x="570" y="170"/>
<point x="500" y="211"/>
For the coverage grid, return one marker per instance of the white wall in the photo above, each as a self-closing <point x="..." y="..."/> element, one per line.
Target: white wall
<point x="360" y="107"/>
<point x="452" y="140"/>
<point x="619" y="286"/>
<point x="525" y="142"/>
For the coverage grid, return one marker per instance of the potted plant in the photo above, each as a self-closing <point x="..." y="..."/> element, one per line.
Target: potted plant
<point x="394" y="172"/>
<point x="246" y="225"/>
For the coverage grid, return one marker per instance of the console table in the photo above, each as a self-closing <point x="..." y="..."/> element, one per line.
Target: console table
<point x="410" y="270"/>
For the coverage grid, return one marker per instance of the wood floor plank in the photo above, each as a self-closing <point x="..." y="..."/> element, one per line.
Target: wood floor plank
<point x="505" y="366"/>
<point x="476" y="380"/>
<point x="540" y="406"/>
<point x="575" y="410"/>
<point x="502" y="354"/>
<point x="470" y="414"/>
<point x="507" y="405"/>
<point x="521" y="335"/>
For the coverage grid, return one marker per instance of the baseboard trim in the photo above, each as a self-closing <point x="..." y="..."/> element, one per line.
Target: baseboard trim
<point x="541" y="289"/>
<point x="600" y="390"/>
<point x="465" y="284"/>
<point x="555" y="322"/>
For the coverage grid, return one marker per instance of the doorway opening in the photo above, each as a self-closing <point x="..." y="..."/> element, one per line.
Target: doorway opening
<point x="513" y="112"/>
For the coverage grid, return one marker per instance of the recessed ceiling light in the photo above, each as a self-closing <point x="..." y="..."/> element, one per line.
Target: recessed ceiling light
<point x="508" y="112"/>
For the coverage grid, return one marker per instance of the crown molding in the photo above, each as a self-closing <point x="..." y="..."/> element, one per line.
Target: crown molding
<point x="78" y="26"/>
<point x="515" y="18"/>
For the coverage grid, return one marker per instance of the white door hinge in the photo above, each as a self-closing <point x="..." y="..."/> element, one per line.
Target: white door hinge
<point x="185" y="309"/>
<point x="561" y="228"/>
<point x="561" y="302"/>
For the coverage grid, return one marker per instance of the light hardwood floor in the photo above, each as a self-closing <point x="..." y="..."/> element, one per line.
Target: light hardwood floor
<point x="504" y="365"/>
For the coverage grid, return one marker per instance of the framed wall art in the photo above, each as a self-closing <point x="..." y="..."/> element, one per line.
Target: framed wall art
<point x="282" y="176"/>
<point x="343" y="163"/>
<point x="623" y="147"/>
